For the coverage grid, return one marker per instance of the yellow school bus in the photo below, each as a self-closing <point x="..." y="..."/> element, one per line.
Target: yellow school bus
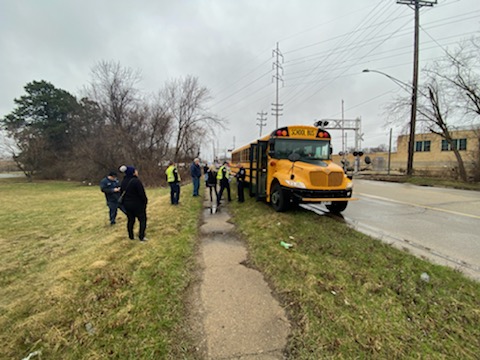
<point x="293" y="165"/>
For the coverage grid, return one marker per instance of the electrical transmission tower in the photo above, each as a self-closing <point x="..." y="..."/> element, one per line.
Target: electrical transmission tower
<point x="416" y="5"/>
<point x="277" y="107"/>
<point x="262" y="121"/>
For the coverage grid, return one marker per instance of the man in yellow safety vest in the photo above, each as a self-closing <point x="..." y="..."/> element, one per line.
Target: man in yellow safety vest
<point x="223" y="176"/>
<point x="173" y="179"/>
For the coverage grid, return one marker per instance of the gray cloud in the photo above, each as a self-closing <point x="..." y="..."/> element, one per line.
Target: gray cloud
<point x="228" y="45"/>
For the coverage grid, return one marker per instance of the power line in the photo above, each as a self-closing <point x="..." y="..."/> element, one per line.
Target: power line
<point x="334" y="66"/>
<point x="277" y="107"/>
<point x="351" y="38"/>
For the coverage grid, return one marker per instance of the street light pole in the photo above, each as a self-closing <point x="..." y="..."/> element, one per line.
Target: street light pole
<point x="413" y="111"/>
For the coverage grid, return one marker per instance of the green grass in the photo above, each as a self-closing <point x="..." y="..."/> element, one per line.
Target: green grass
<point x="449" y="183"/>
<point x="74" y="287"/>
<point x="350" y="296"/>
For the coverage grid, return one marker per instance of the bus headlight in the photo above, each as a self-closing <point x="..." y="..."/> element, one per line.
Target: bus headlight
<point x="296" y="184"/>
<point x="349" y="186"/>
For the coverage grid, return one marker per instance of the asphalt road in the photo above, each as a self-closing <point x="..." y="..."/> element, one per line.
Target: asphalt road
<point x="440" y="224"/>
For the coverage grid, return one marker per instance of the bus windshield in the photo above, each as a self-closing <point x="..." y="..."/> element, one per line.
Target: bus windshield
<point x="309" y="150"/>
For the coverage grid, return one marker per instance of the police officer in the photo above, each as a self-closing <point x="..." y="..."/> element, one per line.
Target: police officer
<point x="240" y="182"/>
<point x="223" y="176"/>
<point x="173" y="179"/>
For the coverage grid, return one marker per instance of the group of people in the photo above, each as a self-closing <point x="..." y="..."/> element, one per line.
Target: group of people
<point x="129" y="196"/>
<point x="222" y="176"/>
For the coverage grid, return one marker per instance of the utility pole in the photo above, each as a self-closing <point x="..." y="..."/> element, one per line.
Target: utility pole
<point x="416" y="5"/>
<point x="262" y="121"/>
<point x="389" y="152"/>
<point x="344" y="156"/>
<point x="277" y="107"/>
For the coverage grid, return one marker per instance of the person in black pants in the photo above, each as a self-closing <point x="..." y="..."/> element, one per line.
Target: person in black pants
<point x="211" y="176"/>
<point x="135" y="202"/>
<point x="240" y="183"/>
<point x="223" y="176"/>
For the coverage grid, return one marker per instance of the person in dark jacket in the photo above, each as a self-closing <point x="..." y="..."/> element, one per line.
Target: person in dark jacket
<point x="240" y="175"/>
<point x="211" y="181"/>
<point x="135" y="202"/>
<point x="111" y="188"/>
<point x="196" y="173"/>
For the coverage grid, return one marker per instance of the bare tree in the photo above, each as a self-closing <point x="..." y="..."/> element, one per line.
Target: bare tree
<point x="112" y="87"/>
<point x="119" y="126"/>
<point x="435" y="111"/>
<point x="186" y="102"/>
<point x="459" y="73"/>
<point x="450" y="92"/>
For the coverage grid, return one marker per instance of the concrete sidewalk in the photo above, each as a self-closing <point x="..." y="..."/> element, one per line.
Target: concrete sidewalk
<point x="240" y="318"/>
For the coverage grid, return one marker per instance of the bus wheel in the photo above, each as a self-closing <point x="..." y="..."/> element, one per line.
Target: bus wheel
<point x="278" y="198"/>
<point x="337" y="207"/>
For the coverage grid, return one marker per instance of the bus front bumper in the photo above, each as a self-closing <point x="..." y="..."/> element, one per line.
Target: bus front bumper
<point x="311" y="196"/>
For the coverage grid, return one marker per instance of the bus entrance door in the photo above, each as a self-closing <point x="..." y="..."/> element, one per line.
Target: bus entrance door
<point x="258" y="166"/>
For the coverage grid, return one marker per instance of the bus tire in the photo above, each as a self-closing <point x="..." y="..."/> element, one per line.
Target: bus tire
<point x="278" y="198"/>
<point x="337" y="207"/>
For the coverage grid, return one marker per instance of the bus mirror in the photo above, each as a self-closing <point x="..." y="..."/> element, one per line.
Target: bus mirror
<point x="294" y="157"/>
<point x="271" y="151"/>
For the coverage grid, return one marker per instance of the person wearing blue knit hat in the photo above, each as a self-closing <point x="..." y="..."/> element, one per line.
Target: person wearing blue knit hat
<point x="111" y="188"/>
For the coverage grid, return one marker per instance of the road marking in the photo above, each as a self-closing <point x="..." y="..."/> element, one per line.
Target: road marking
<point x="418" y="205"/>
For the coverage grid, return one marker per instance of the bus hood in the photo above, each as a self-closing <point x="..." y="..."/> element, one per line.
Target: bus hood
<point x="320" y="175"/>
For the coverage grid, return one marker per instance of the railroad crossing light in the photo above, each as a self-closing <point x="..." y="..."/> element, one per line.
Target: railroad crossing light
<point x="320" y="123"/>
<point x="358" y="153"/>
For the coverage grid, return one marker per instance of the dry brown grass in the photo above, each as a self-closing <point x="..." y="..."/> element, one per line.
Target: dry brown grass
<point x="64" y="269"/>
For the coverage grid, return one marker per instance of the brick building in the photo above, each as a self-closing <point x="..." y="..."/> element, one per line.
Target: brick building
<point x="433" y="155"/>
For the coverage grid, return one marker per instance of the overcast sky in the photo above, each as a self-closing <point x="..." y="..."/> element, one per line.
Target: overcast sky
<point x="228" y="45"/>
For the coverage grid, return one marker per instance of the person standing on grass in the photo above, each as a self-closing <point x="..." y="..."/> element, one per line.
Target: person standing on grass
<point x="211" y="181"/>
<point x="223" y="176"/>
<point x="240" y="175"/>
<point x="110" y="186"/>
<point x="135" y="202"/>
<point x="173" y="179"/>
<point x="196" y="173"/>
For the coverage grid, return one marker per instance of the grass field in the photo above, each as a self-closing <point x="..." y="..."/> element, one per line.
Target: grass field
<point x="352" y="297"/>
<point x="74" y="287"/>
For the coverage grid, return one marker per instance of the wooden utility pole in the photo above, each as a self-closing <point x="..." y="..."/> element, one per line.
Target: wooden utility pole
<point x="262" y="121"/>
<point x="416" y="5"/>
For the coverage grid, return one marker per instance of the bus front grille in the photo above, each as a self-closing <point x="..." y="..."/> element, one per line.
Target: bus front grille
<point x="321" y="179"/>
